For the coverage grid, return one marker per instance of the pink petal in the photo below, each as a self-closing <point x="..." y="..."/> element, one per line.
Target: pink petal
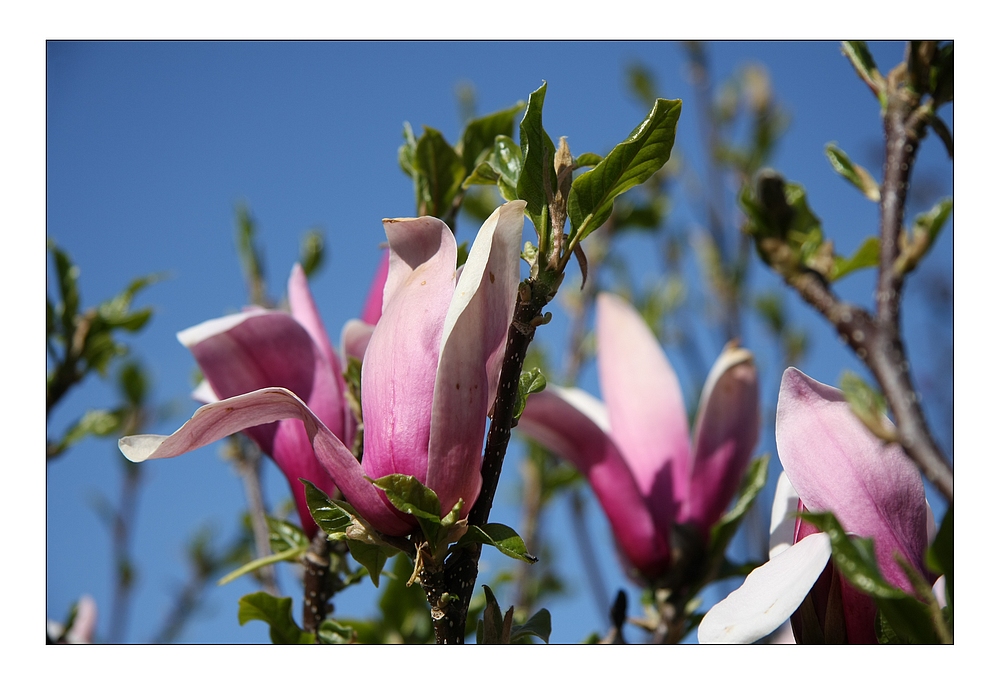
<point x="648" y="419"/>
<point x="82" y="631"/>
<point x="300" y="301"/>
<point x="215" y="421"/>
<point x="397" y="378"/>
<point x="837" y="465"/>
<point x="573" y="424"/>
<point x="354" y="338"/>
<point x="768" y="596"/>
<point x="373" y="304"/>
<point x="726" y="433"/>
<point x="472" y="348"/>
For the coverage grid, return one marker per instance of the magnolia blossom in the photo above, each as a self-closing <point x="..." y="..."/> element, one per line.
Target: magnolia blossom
<point x="429" y="375"/>
<point x="84" y="624"/>
<point x="636" y="451"/>
<point x="261" y="348"/>
<point x="832" y="463"/>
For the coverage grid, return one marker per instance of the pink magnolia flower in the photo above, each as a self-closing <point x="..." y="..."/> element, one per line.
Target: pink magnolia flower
<point x="636" y="452"/>
<point x="429" y="375"/>
<point x="261" y="348"/>
<point x="832" y="463"/>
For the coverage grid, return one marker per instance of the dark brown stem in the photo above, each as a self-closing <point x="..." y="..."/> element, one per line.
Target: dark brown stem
<point x="316" y="595"/>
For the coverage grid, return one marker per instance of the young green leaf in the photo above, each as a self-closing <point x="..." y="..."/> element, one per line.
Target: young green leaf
<point x="504" y="538"/>
<point x="530" y="382"/>
<point x="332" y="633"/>
<point x="436" y="161"/>
<point x="328" y="515"/>
<point x="539" y="625"/>
<point x="867" y="404"/>
<point x="277" y="613"/>
<point x="536" y="182"/>
<point x="372" y="557"/>
<point x="285" y="535"/>
<point x="410" y="496"/>
<point x="863" y="62"/>
<point x="630" y="163"/>
<point x="724" y="530"/>
<point x="855" y="174"/>
<point x="479" y="134"/>
<point x="285" y="555"/>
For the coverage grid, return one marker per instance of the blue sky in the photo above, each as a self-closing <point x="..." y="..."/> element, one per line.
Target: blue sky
<point x="150" y="146"/>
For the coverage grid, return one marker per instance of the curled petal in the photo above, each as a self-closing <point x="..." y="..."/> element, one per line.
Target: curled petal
<point x="725" y="435"/>
<point x="397" y="378"/>
<point x="472" y="347"/>
<point x="648" y="418"/>
<point x="303" y="307"/>
<point x="837" y="465"/>
<point x="217" y="420"/>
<point x="354" y="338"/>
<point x="573" y="424"/>
<point x="768" y="596"/>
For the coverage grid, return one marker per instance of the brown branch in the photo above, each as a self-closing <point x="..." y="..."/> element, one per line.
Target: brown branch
<point x="316" y="595"/>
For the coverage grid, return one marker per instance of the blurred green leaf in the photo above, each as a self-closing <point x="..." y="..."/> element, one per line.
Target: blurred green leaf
<point x="857" y="52"/>
<point x="277" y="613"/>
<point x="537" y="180"/>
<point x="332" y="633"/>
<point x="312" y="252"/>
<point x="942" y="74"/>
<point x="587" y="159"/>
<point x="867" y="404"/>
<point x="372" y="557"/>
<point x="504" y="538"/>
<point x="865" y="258"/>
<point x="925" y="231"/>
<point x="494" y="628"/>
<point x="288" y="554"/>
<point x="539" y="625"/>
<point x="641" y="82"/>
<point x="855" y="174"/>
<point x="407" y="151"/>
<point x="630" y="163"/>
<point x="285" y="535"/>
<point x="132" y="384"/>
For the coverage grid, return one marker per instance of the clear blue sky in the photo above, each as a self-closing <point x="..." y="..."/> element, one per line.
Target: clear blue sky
<point x="151" y="145"/>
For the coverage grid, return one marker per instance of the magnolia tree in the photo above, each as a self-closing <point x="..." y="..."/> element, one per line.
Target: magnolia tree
<point x="393" y="440"/>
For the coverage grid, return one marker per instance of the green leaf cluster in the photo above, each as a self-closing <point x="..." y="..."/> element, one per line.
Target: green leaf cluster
<point x="441" y="172"/>
<point x="530" y="382"/>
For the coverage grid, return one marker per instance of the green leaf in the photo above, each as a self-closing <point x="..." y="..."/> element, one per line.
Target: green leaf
<point x="724" y="530"/>
<point x="504" y="538"/>
<point x="372" y="557"/>
<point x="910" y="619"/>
<point x="442" y="170"/>
<point x="530" y="382"/>
<point x="328" y="515"/>
<point x="410" y="496"/>
<point x="312" y="252"/>
<point x="857" y="52"/>
<point x="67" y="276"/>
<point x="539" y="625"/>
<point x="332" y="633"/>
<point x="855" y="174"/>
<point x="132" y="384"/>
<point x="867" y="404"/>
<point x="941" y="554"/>
<point x="285" y="555"/>
<point x="285" y="535"/>
<point x="537" y="180"/>
<point x="641" y="82"/>
<point x="587" y="159"/>
<point x="479" y="134"/>
<point x="942" y="75"/>
<point x="866" y="257"/>
<point x="494" y="628"/>
<point x="407" y="151"/>
<point x="630" y="163"/>
<point x="277" y="613"/>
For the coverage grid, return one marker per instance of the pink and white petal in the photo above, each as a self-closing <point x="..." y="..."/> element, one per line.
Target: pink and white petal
<point x="220" y="419"/>
<point x="569" y="422"/>
<point x="786" y="504"/>
<point x="373" y="304"/>
<point x="397" y="378"/>
<point x="472" y="348"/>
<point x="768" y="596"/>
<point x="261" y="349"/>
<point x="837" y="465"/>
<point x="354" y="338"/>
<point x="82" y="631"/>
<point x="640" y="389"/>
<point x="725" y="435"/>
<point x="303" y="307"/>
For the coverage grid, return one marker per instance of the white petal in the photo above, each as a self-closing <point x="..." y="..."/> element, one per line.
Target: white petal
<point x="769" y="595"/>
<point x="786" y="503"/>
